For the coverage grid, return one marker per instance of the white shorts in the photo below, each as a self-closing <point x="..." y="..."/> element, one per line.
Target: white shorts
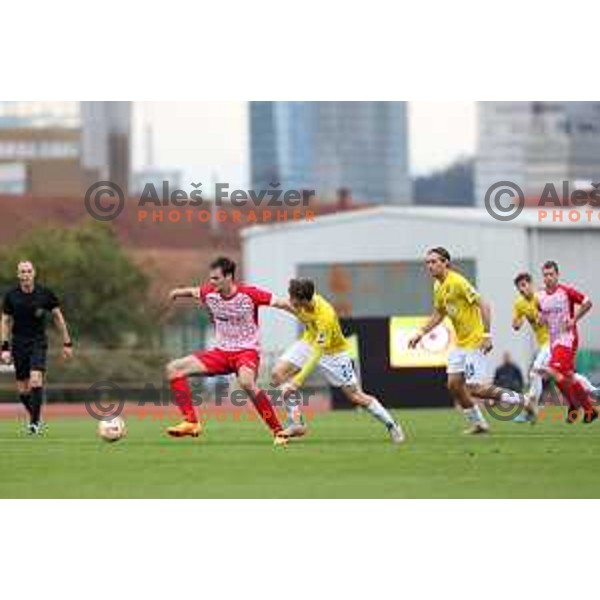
<point x="336" y="368"/>
<point x="542" y="358"/>
<point x="473" y="363"/>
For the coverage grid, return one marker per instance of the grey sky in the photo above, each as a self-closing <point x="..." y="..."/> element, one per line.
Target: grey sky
<point x="206" y="138"/>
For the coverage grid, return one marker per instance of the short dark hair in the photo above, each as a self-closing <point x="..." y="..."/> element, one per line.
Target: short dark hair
<point x="551" y="264"/>
<point x="302" y="289"/>
<point x="441" y="252"/>
<point x="226" y="265"/>
<point x="522" y="277"/>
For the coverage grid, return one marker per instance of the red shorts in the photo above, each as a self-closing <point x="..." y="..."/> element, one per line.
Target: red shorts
<point x="562" y="360"/>
<point x="224" y="362"/>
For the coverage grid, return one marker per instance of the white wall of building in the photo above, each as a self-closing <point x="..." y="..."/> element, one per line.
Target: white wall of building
<point x="272" y="255"/>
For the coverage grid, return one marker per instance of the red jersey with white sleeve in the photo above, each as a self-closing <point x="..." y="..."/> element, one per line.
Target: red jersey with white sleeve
<point x="556" y="308"/>
<point x="235" y="317"/>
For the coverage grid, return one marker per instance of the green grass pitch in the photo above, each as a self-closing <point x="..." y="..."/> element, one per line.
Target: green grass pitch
<point x="347" y="455"/>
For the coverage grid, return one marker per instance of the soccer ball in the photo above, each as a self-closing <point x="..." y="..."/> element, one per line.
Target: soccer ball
<point x="113" y="430"/>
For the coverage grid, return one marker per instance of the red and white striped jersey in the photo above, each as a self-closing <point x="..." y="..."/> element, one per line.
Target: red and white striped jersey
<point x="556" y="308"/>
<point x="235" y="317"/>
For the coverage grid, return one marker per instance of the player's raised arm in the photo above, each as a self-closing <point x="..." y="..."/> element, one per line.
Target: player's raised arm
<point x="184" y="292"/>
<point x="61" y="325"/>
<point x="282" y="304"/>
<point x="436" y="318"/>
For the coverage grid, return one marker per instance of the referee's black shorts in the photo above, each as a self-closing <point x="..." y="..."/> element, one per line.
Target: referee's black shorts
<point x="28" y="355"/>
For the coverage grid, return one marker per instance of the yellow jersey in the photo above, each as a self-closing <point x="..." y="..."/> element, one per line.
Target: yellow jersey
<point x="322" y="331"/>
<point x="459" y="300"/>
<point x="524" y="308"/>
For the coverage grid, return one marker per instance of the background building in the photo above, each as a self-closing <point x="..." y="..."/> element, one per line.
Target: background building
<point x="452" y="186"/>
<point x="532" y="143"/>
<point x="60" y="148"/>
<point x="154" y="176"/>
<point x="326" y="146"/>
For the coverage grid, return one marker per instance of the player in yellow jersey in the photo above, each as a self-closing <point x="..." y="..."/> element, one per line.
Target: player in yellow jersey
<point x="455" y="297"/>
<point x="322" y="345"/>
<point x="525" y="308"/>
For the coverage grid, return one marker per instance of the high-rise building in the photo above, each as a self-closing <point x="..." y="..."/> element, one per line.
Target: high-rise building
<point x="155" y="177"/>
<point x="150" y="173"/>
<point x="534" y="143"/>
<point x="61" y="148"/>
<point x="328" y="146"/>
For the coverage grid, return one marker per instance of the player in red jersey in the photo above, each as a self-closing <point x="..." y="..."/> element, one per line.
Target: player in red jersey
<point x="557" y="306"/>
<point x="233" y="308"/>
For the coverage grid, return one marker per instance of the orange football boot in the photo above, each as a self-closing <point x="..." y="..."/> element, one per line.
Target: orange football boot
<point x="185" y="428"/>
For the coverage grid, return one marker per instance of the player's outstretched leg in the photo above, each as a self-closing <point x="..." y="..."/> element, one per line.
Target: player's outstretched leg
<point x="536" y="386"/>
<point x="592" y="390"/>
<point x="295" y="425"/>
<point x="532" y="397"/>
<point x="177" y="372"/>
<point x="538" y="376"/>
<point x="561" y="369"/>
<point x="498" y="394"/>
<point x="577" y="397"/>
<point x="356" y="395"/>
<point x="260" y="399"/>
<point x="462" y="398"/>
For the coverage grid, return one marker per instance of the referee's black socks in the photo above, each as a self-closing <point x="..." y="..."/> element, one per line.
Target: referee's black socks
<point x="25" y="399"/>
<point x="37" y="395"/>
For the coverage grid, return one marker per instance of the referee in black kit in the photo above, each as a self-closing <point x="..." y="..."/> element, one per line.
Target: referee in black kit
<point x="24" y="313"/>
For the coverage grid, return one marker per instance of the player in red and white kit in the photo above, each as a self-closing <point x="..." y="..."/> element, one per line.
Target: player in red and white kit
<point x="561" y="307"/>
<point x="233" y="308"/>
